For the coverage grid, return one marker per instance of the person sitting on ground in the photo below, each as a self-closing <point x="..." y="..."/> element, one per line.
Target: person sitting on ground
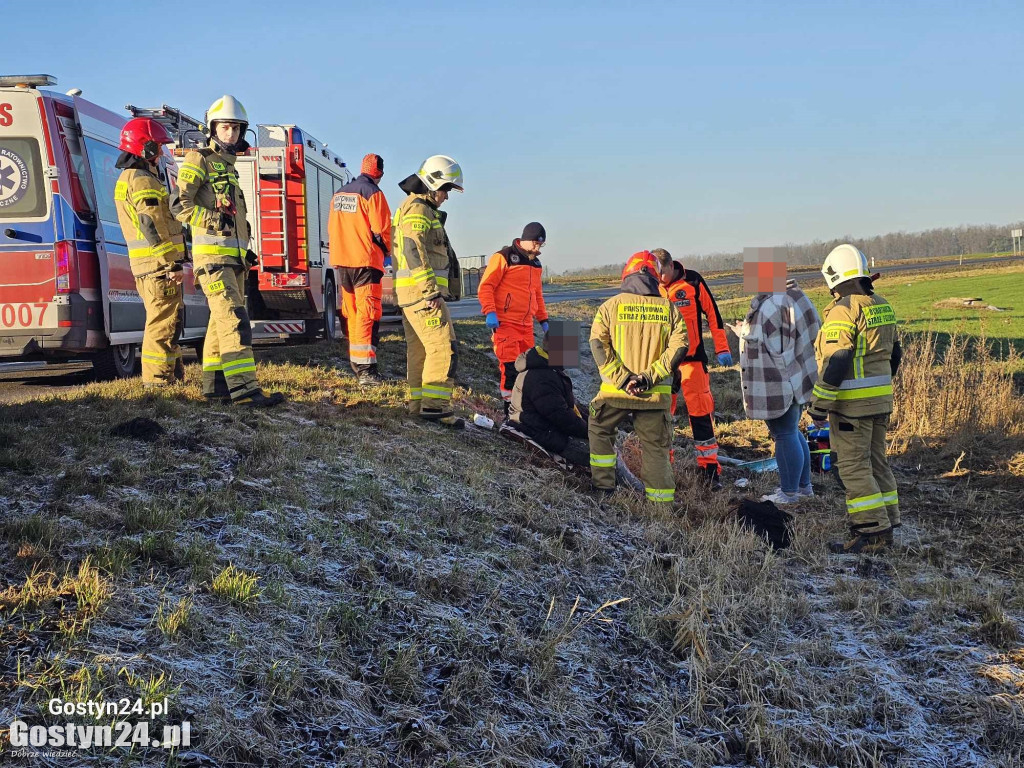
<point x="543" y="406"/>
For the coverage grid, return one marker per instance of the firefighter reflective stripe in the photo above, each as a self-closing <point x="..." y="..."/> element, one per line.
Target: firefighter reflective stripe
<point x="420" y="223"/>
<point x="609" y="369"/>
<point x="661" y="495"/>
<point x="860" y="350"/>
<point x="823" y="393"/>
<point x="659" y="370"/>
<point x="602" y="459"/>
<point x="146" y="252"/>
<point x="890" y="497"/>
<point x="864" y="503"/>
<point x="839" y="325"/>
<point x="415" y="393"/>
<point x="611" y="389"/>
<point x="862" y="393"/>
<point x="869" y="381"/>
<point x="195" y="172"/>
<point x="437" y="392"/>
<point x="408" y="277"/>
<point x="212" y="364"/>
<point x="155" y="358"/>
<point x="197" y="216"/>
<point x="148" y="194"/>
<point x="242" y="365"/>
<point x="216" y="250"/>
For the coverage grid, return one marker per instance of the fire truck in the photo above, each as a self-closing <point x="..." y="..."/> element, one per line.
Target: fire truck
<point x="288" y="178"/>
<point x="66" y="287"/>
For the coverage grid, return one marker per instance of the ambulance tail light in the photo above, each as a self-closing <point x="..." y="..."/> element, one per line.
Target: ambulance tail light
<point x="67" y="266"/>
<point x="289" y="280"/>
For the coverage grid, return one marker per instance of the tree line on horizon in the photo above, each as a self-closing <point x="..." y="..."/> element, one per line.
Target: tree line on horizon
<point x="929" y="244"/>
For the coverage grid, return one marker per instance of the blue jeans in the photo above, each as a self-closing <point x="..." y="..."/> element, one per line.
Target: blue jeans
<point x="791" y="450"/>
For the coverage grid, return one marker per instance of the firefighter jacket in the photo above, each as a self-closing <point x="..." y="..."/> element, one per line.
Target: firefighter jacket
<point x="857" y="354"/>
<point x="359" y="227"/>
<point x="637" y="332"/>
<point x="422" y="253"/>
<point x="156" y="242"/>
<point x="511" y="287"/>
<point x="207" y="184"/>
<point x="543" y="404"/>
<point x="692" y="297"/>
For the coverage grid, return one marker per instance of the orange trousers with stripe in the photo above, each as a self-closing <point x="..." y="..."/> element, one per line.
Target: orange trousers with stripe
<point x="359" y="303"/>
<point x="692" y="378"/>
<point x="510" y="341"/>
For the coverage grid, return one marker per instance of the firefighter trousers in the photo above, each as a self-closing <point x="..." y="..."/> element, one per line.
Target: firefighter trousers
<point x="871" y="498"/>
<point x="692" y="378"/>
<point x="431" y="359"/>
<point x="360" y="306"/>
<point x="654" y="428"/>
<point x="510" y="341"/>
<point x="229" y="368"/>
<point x="161" y="355"/>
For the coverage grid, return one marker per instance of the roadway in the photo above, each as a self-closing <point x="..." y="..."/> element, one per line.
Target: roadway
<point x="27" y="381"/>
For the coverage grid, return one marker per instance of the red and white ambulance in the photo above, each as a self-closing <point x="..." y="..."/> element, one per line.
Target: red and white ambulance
<point x="66" y="287"/>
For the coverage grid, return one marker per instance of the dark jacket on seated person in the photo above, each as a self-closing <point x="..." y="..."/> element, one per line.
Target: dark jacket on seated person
<point x="543" y="406"/>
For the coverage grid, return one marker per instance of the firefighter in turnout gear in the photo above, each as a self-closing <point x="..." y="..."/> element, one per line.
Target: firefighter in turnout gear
<point x="637" y="339"/>
<point x="359" y="230"/>
<point x="211" y="203"/>
<point x="156" y="247"/>
<point x="858" y="354"/>
<point x="511" y="296"/>
<point x="689" y="293"/>
<point x="425" y="277"/>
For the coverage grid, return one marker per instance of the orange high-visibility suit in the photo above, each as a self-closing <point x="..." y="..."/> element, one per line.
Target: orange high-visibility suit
<point x="692" y="297"/>
<point x="511" y="288"/>
<point x="359" y="231"/>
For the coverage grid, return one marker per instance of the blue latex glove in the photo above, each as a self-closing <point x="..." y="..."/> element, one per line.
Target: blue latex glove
<point x="492" y="321"/>
<point x="724" y="358"/>
<point x="544" y="326"/>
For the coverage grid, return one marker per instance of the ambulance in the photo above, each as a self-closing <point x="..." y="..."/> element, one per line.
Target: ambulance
<point x="66" y="287"/>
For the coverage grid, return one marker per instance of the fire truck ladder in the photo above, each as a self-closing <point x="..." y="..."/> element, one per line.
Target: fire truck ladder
<point x="272" y="204"/>
<point x="185" y="130"/>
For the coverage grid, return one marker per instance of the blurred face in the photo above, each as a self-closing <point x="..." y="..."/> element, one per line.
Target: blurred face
<point x="563" y="343"/>
<point x="228" y="133"/>
<point x="665" y="272"/>
<point x="764" y="270"/>
<point x="531" y="247"/>
<point x="440" y="196"/>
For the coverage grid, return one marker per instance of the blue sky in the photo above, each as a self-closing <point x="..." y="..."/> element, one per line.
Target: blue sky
<point x="697" y="127"/>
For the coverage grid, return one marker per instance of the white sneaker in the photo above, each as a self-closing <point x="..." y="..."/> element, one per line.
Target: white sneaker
<point x="805" y="491"/>
<point x="781" y="497"/>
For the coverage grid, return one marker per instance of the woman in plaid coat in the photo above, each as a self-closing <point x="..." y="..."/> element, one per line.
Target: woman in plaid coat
<point x="778" y="371"/>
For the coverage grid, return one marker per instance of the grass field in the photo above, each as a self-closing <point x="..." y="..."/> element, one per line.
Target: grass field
<point x="333" y="584"/>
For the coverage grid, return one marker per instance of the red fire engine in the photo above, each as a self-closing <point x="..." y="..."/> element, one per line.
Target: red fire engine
<point x="288" y="178"/>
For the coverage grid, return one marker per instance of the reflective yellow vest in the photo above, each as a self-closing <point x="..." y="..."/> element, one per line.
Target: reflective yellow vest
<point x="205" y="177"/>
<point x="155" y="240"/>
<point x="421" y="252"/>
<point x="637" y="334"/>
<point x="866" y="325"/>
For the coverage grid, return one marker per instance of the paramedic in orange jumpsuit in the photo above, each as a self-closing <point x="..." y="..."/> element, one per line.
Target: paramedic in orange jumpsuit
<point x="689" y="293"/>
<point x="510" y="298"/>
<point x="359" y="233"/>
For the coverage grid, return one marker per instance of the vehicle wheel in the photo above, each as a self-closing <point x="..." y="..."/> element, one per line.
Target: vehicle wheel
<point x="330" y="312"/>
<point x="118" y="361"/>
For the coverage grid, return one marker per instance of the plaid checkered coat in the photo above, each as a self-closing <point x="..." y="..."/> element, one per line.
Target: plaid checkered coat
<point x="777" y="364"/>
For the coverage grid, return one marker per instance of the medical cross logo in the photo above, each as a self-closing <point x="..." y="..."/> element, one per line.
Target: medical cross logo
<point x="13" y="178"/>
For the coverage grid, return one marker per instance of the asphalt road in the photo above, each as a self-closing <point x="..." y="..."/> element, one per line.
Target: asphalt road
<point x="26" y="381"/>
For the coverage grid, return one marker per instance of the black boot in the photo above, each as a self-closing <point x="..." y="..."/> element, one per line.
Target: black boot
<point x="863" y="543"/>
<point x="709" y="476"/>
<point x="256" y="399"/>
<point x="370" y="377"/>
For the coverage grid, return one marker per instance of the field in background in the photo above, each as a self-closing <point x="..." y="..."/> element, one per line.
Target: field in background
<point x="331" y="583"/>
